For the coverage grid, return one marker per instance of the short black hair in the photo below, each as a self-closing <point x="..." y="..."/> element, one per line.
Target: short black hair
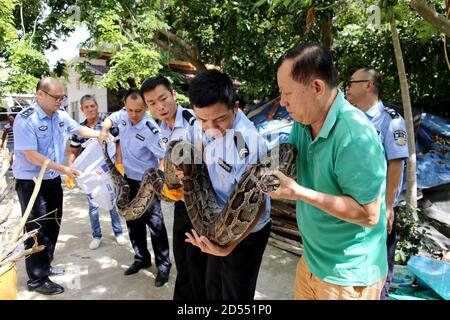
<point x="87" y="97"/>
<point x="132" y="93"/>
<point x="311" y="61"/>
<point x="151" y="83"/>
<point x="211" y="86"/>
<point x="375" y="77"/>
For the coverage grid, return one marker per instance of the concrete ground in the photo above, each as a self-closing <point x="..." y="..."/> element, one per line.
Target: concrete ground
<point x="98" y="274"/>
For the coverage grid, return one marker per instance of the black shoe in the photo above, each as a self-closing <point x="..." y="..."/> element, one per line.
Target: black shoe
<point x="56" y="271"/>
<point x="136" y="266"/>
<point x="161" y="278"/>
<point x="48" y="288"/>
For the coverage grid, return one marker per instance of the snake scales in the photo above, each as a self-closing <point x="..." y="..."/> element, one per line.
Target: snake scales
<point x="151" y="183"/>
<point x="220" y="225"/>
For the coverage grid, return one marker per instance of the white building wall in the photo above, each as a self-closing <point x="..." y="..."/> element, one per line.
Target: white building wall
<point x="76" y="89"/>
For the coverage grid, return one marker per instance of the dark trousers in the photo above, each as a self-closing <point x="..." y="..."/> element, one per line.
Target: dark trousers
<point x="391" y="244"/>
<point x="189" y="259"/>
<point x="234" y="277"/>
<point x="153" y="218"/>
<point x="48" y="201"/>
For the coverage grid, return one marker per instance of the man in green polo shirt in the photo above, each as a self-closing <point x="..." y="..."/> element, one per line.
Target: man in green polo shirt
<point x="340" y="185"/>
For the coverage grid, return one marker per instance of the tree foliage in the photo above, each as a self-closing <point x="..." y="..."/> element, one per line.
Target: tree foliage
<point x="27" y="28"/>
<point x="244" y="38"/>
<point x="359" y="44"/>
<point x="125" y="29"/>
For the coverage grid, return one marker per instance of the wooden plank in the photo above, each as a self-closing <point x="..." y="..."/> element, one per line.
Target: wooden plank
<point x="287" y="240"/>
<point x="285" y="246"/>
<point x="290" y="232"/>
<point x="284" y="224"/>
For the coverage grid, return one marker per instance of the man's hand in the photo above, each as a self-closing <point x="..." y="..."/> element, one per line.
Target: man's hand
<point x="173" y="194"/>
<point x="178" y="173"/>
<point x="390" y="219"/>
<point x="70" y="183"/>
<point x="207" y="246"/>
<point x="287" y="188"/>
<point x="120" y="168"/>
<point x="104" y="136"/>
<point x="71" y="172"/>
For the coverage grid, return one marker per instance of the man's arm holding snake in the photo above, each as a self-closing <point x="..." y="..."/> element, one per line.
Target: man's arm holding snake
<point x="221" y="251"/>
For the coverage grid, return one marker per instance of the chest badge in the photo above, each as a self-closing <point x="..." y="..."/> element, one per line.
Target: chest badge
<point x="224" y="165"/>
<point x="138" y="136"/>
<point x="43" y="128"/>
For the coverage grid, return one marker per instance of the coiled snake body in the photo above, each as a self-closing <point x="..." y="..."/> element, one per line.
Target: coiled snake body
<point x="225" y="225"/>
<point x="152" y="182"/>
<point x="220" y="225"/>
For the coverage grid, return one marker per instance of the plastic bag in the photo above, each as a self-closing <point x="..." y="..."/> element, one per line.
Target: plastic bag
<point x="94" y="179"/>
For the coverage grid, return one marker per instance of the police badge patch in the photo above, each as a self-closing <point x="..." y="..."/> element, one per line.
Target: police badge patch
<point x="27" y="112"/>
<point x="400" y="137"/>
<point x="124" y="123"/>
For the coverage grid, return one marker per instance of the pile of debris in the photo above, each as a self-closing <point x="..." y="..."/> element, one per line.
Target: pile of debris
<point x="11" y="237"/>
<point x="285" y="234"/>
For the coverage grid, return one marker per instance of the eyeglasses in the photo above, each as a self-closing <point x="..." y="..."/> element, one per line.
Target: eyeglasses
<point x="349" y="83"/>
<point x="57" y="98"/>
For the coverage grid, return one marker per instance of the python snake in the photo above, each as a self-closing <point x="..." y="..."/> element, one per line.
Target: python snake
<point x="152" y="183"/>
<point x="227" y="224"/>
<point x="220" y="225"/>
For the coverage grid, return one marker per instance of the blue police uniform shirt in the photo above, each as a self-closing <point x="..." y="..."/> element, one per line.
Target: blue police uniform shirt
<point x="185" y="128"/>
<point x="141" y="144"/>
<point x="392" y="132"/>
<point x="228" y="157"/>
<point x="78" y="142"/>
<point x="35" y="130"/>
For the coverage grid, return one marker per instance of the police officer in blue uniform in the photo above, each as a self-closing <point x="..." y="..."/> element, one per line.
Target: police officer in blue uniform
<point x="178" y="123"/>
<point x="363" y="91"/>
<point x="233" y="145"/>
<point x="142" y="146"/>
<point x="41" y="132"/>
<point x="89" y="107"/>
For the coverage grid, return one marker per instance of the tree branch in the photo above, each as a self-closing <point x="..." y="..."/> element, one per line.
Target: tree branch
<point x="178" y="53"/>
<point x="176" y="39"/>
<point x="429" y="14"/>
<point x="6" y="212"/>
<point x="197" y="63"/>
<point x="34" y="27"/>
<point x="21" y="20"/>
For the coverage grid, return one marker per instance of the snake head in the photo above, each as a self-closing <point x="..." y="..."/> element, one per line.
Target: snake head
<point x="268" y="183"/>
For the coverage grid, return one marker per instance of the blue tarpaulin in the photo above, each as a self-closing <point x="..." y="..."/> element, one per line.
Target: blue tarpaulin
<point x="432" y="145"/>
<point x="433" y="152"/>
<point x="435" y="274"/>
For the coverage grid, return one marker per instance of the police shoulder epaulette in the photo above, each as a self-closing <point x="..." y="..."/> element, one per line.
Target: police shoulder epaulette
<point x="27" y="112"/>
<point x="240" y="144"/>
<point x="392" y="112"/>
<point x="189" y="117"/>
<point x="152" y="128"/>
